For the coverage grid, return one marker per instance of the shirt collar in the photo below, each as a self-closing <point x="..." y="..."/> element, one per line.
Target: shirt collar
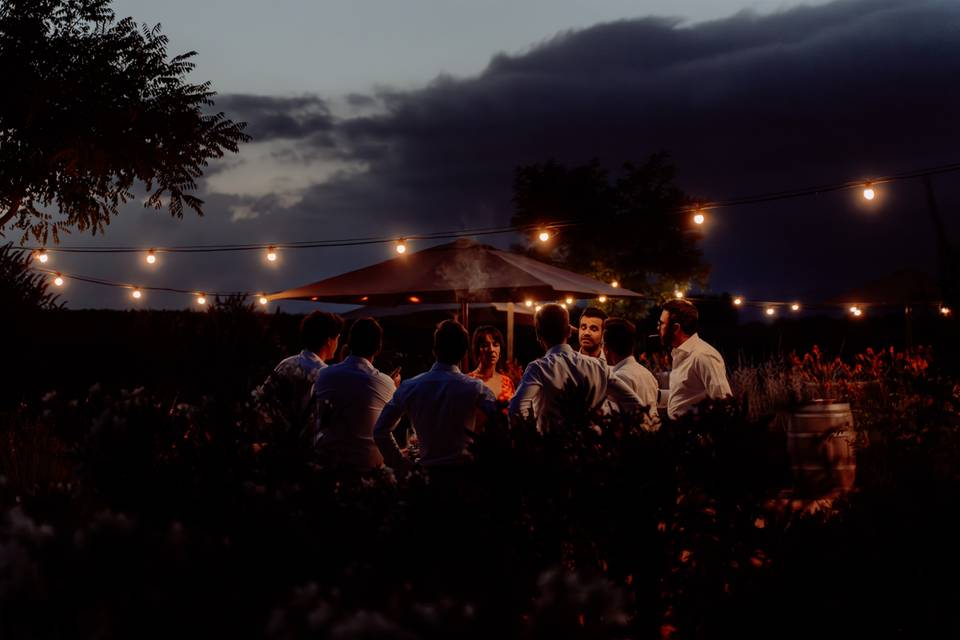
<point x="560" y="348"/>
<point x="623" y="363"/>
<point x="306" y="354"/>
<point x="359" y="362"/>
<point x="439" y="366"/>
<point x="689" y="345"/>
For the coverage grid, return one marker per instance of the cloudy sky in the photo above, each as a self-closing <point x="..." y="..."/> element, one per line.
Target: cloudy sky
<point x="375" y="117"/>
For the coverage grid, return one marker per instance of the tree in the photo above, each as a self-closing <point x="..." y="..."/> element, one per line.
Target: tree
<point x="92" y="106"/>
<point x="23" y="291"/>
<point x="632" y="229"/>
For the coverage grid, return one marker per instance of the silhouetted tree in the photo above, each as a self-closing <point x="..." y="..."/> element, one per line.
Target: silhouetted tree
<point x="631" y="228"/>
<point x="92" y="105"/>
<point x="22" y="290"/>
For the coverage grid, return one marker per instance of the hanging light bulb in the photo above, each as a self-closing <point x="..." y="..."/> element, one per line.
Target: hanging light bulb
<point x="137" y="294"/>
<point x="770" y="311"/>
<point x="151" y="256"/>
<point x="678" y="294"/>
<point x="615" y="284"/>
<point x="528" y="302"/>
<point x="795" y="307"/>
<point x="602" y="299"/>
<point x="43" y="256"/>
<point x="272" y="254"/>
<point x="58" y="280"/>
<point x="945" y="311"/>
<point x="543" y="236"/>
<point x="201" y="299"/>
<point x="868" y="192"/>
<point x="538" y="308"/>
<point x="262" y="300"/>
<point x="858" y="313"/>
<point x="738" y="301"/>
<point x="569" y="300"/>
<point x="699" y="217"/>
<point x="401" y="246"/>
<point x="854" y="309"/>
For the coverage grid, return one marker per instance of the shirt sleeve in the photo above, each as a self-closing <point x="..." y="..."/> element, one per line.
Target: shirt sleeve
<point x="486" y="401"/>
<point x="387" y="422"/>
<point x="621" y="393"/>
<point x="522" y="403"/>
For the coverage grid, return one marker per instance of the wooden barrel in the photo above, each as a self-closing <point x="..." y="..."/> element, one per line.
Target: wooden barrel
<point x="820" y="444"/>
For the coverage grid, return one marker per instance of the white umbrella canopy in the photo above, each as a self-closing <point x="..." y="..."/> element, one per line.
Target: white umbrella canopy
<point x="462" y="271"/>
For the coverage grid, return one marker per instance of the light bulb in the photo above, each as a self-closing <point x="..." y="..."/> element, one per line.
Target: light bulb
<point x="795" y="307"/>
<point x="945" y="311"/>
<point x="544" y="236"/>
<point x="770" y="311"/>
<point x="615" y="284"/>
<point x="263" y="300"/>
<point x="272" y="254"/>
<point x="678" y="294"/>
<point x="602" y="298"/>
<point x="699" y="218"/>
<point x="42" y="256"/>
<point x="201" y="299"/>
<point x="854" y="309"/>
<point x="137" y="294"/>
<point x="738" y="301"/>
<point x="538" y="308"/>
<point x="151" y="257"/>
<point x="529" y="303"/>
<point x="401" y="246"/>
<point x="58" y="280"/>
<point x="868" y="192"/>
<point x="569" y="300"/>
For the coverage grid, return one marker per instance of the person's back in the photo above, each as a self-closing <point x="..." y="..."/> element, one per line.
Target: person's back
<point x="285" y="395"/>
<point x="619" y="343"/>
<point x="349" y="398"/>
<point x="564" y="384"/>
<point x="441" y="404"/>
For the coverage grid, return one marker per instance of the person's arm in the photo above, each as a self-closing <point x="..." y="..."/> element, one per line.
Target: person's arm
<point x="522" y="403"/>
<point x="386" y="424"/>
<point x="487" y="402"/>
<point x="625" y="397"/>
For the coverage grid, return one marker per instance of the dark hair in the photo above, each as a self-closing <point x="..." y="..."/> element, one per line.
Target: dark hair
<point x="450" y="342"/>
<point x="479" y="334"/>
<point x="593" y="312"/>
<point x="620" y="336"/>
<point x="318" y="327"/>
<point x="553" y="324"/>
<point x="366" y="338"/>
<point x="683" y="313"/>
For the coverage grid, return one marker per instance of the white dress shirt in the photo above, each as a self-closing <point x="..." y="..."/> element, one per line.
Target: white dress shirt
<point x="349" y="398"/>
<point x="640" y="380"/>
<point x="698" y="373"/>
<point x="564" y="383"/>
<point x="442" y="404"/>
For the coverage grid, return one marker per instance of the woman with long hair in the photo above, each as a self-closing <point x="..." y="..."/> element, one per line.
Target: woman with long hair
<point x="487" y="351"/>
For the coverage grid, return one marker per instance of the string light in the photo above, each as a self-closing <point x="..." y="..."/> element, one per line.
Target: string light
<point x="543" y="236"/>
<point x="263" y="301"/>
<point x="794" y="307"/>
<point x="137" y="294"/>
<point x="201" y="299"/>
<point x="414" y="299"/>
<point x="738" y="301"/>
<point x="854" y="309"/>
<point x="615" y="284"/>
<point x="151" y="256"/>
<point x="529" y="303"/>
<point x="58" y="280"/>
<point x="563" y="304"/>
<point x="678" y="294"/>
<point x="770" y="311"/>
<point x="43" y="256"/>
<point x="401" y="246"/>
<point x="699" y="217"/>
<point x="272" y="254"/>
<point x="602" y="299"/>
<point x="868" y="192"/>
<point x="945" y="311"/>
<point x="569" y="300"/>
<point x="538" y="308"/>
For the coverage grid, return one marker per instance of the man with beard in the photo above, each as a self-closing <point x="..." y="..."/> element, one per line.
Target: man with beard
<point x="590" y="333"/>
<point x="698" y="371"/>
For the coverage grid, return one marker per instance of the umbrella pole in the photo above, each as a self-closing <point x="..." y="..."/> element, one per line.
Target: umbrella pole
<point x="509" y="332"/>
<point x="465" y="321"/>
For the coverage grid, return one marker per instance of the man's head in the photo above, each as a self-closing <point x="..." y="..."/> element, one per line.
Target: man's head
<point x="553" y="325"/>
<point x="619" y="339"/>
<point x="591" y="330"/>
<point x="320" y="332"/>
<point x="678" y="321"/>
<point x="365" y="338"/>
<point x="450" y="342"/>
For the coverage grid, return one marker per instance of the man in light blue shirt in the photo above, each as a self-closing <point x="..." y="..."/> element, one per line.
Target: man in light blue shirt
<point x="441" y="403"/>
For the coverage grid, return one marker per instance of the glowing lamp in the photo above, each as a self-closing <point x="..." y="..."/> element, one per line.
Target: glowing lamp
<point x="201" y="299"/>
<point x="770" y="311"/>
<point x="738" y="301"/>
<point x="615" y="284"/>
<point x="137" y="294"/>
<point x="854" y="309"/>
<point x="43" y="256"/>
<point x="678" y="294"/>
<point x="262" y="300"/>
<point x="272" y="254"/>
<point x="543" y="236"/>
<point x="529" y="303"/>
<point x="569" y="300"/>
<point x="58" y="280"/>
<point x="699" y="218"/>
<point x="151" y="256"/>
<point x="795" y="307"/>
<point x="602" y="298"/>
<point x="401" y="246"/>
<point x="414" y="299"/>
<point x="868" y="192"/>
<point x="538" y="308"/>
<point x="945" y="311"/>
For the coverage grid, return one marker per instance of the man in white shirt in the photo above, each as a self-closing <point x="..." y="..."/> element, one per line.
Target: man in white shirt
<point x="590" y="333"/>
<point x="349" y="397"/>
<point x="563" y="384"/>
<point x="284" y="397"/>
<point x="441" y="403"/>
<point x="698" y="371"/>
<point x="619" y="342"/>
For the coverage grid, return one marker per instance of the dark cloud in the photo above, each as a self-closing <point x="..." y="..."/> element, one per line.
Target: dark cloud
<point x="279" y="117"/>
<point x="746" y="105"/>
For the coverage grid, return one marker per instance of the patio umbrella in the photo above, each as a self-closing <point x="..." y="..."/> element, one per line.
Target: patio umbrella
<point x="463" y="271"/>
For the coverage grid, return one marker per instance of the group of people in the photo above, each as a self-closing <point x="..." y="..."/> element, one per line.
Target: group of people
<point x="347" y="413"/>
